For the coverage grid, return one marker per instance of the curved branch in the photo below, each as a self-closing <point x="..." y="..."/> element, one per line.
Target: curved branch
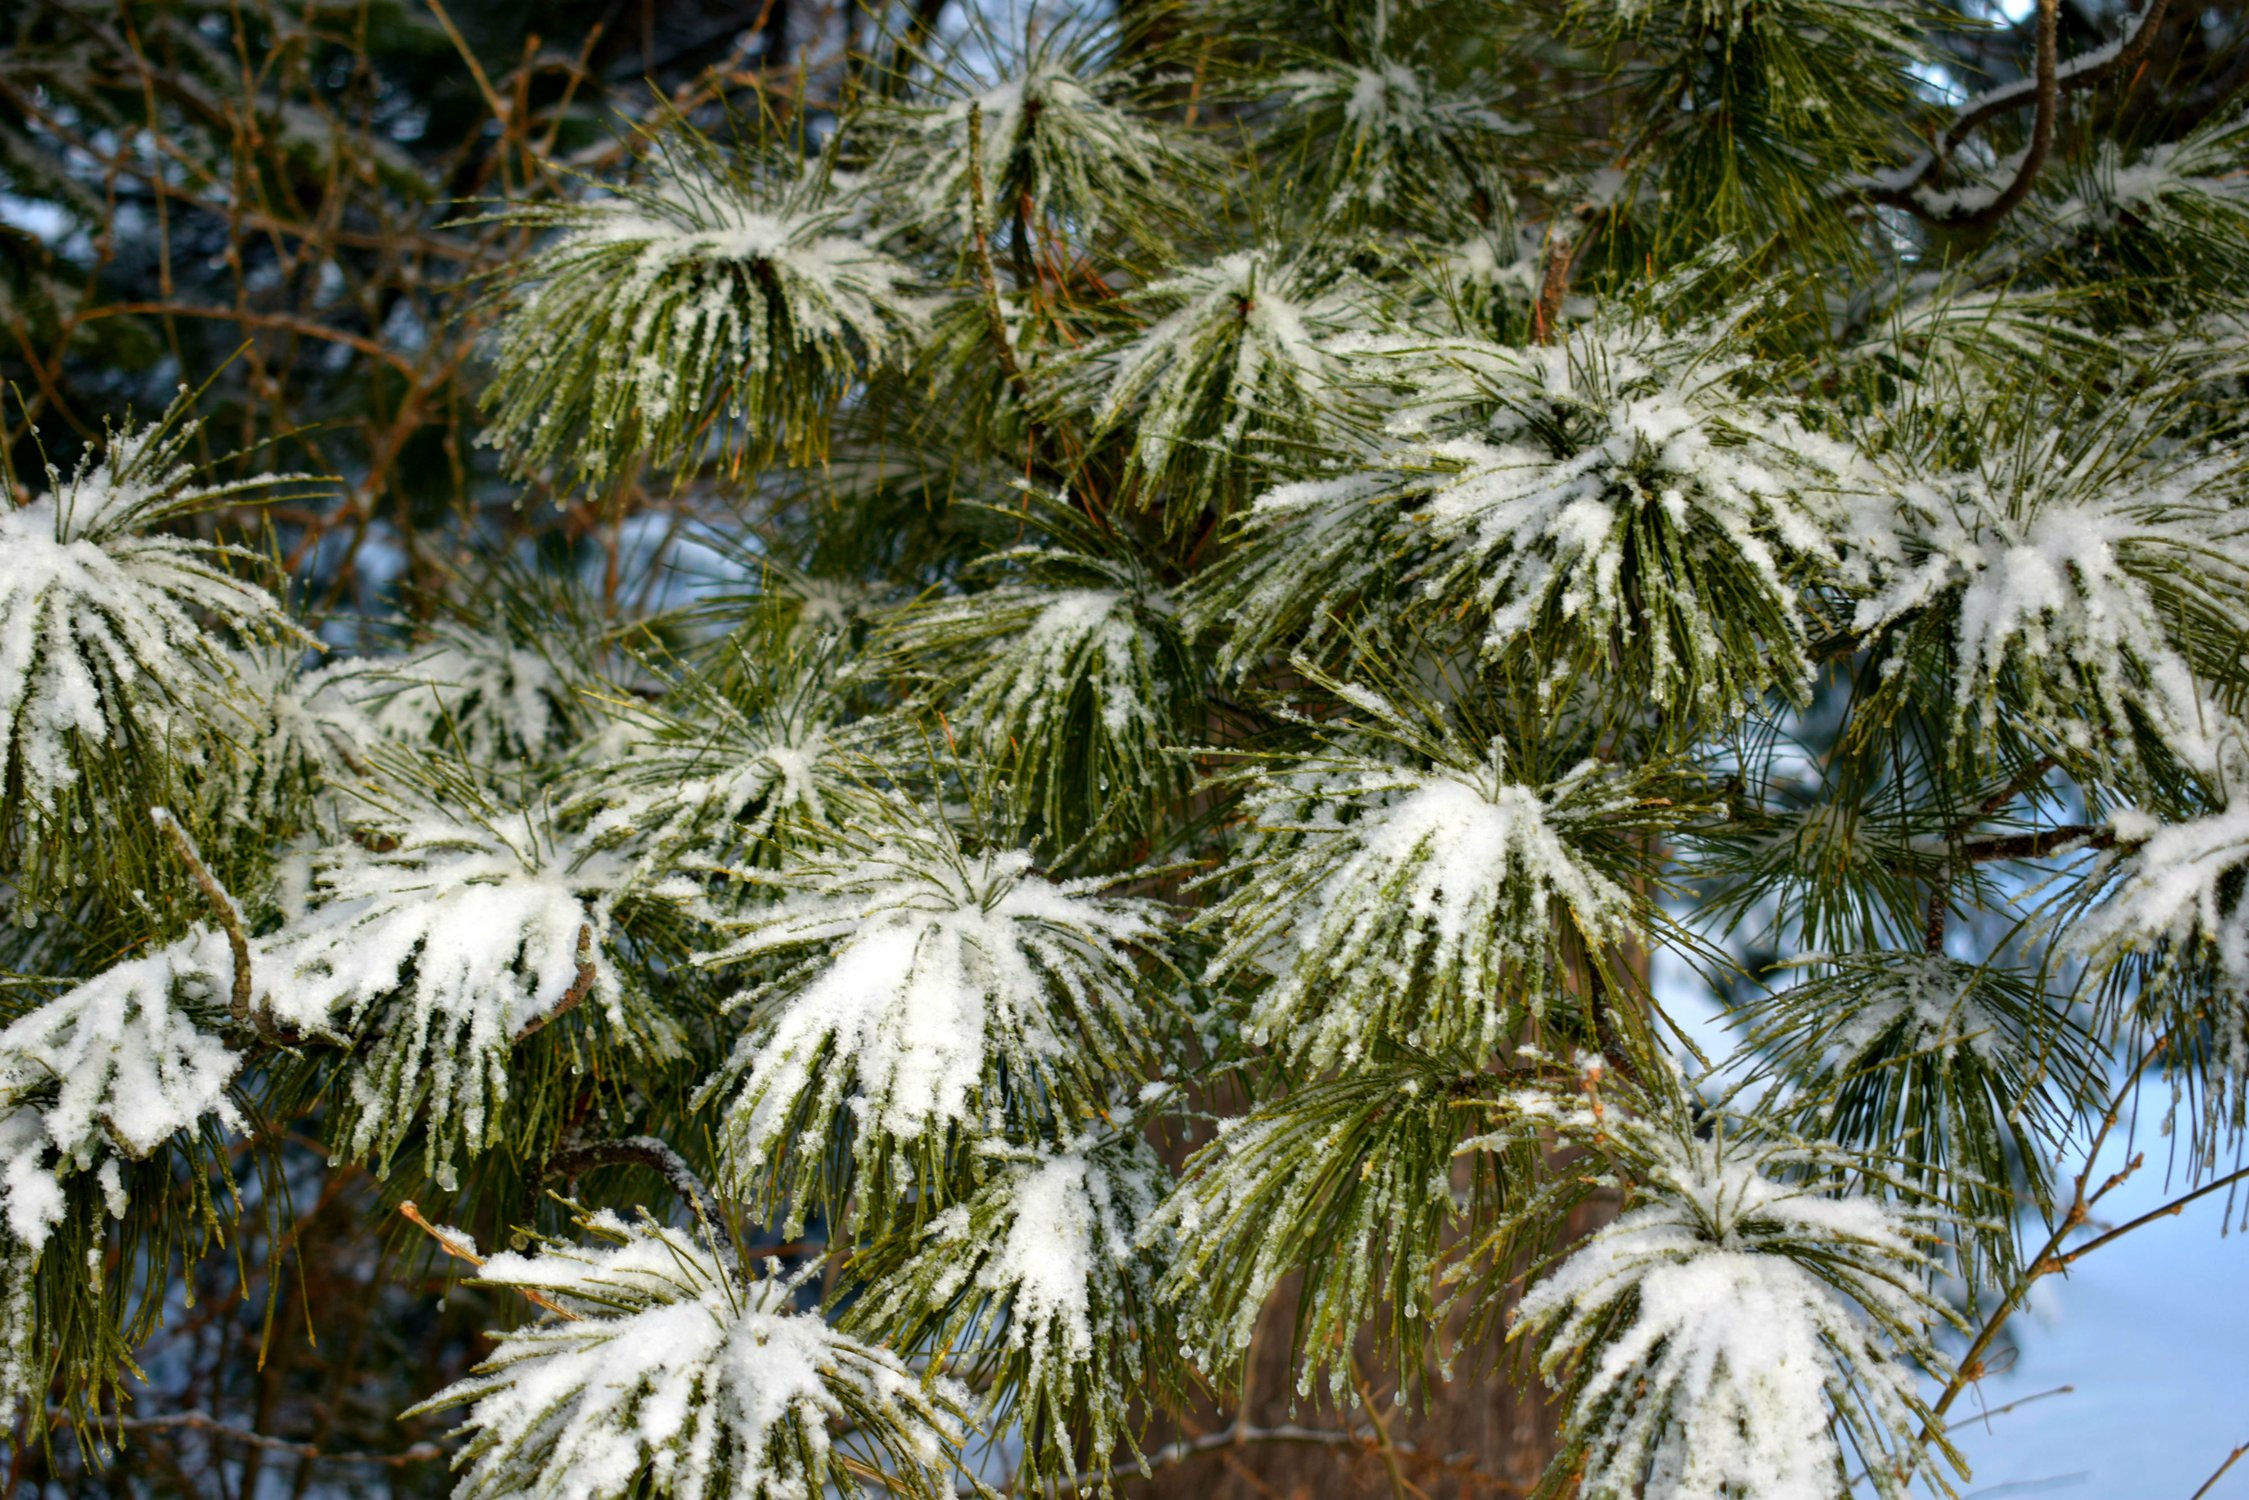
<point x="2048" y="97"/>
<point x="2051" y="79"/>
<point x="647" y="1151"/>
<point x="580" y="987"/>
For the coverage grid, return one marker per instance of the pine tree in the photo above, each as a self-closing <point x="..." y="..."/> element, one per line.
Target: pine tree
<point x="1265" y="581"/>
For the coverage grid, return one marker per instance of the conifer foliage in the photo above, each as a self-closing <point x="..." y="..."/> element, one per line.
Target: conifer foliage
<point x="1259" y="590"/>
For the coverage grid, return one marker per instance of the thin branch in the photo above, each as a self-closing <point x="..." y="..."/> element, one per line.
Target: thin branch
<point x="2070" y="836"/>
<point x="1553" y="285"/>
<point x="2211" y="1483"/>
<point x="230" y="916"/>
<point x="580" y="987"/>
<point x="987" y="278"/>
<point x="203" y="1422"/>
<point x="2042" y="125"/>
<point x="2169" y="1210"/>
<point x="1216" y="1442"/>
<point x="647" y="1151"/>
<point x="2045" y="1261"/>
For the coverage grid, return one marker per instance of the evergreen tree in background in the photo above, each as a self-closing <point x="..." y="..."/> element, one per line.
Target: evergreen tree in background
<point x="991" y="708"/>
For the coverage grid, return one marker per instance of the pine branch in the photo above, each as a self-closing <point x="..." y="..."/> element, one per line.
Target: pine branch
<point x="2048" y="100"/>
<point x="203" y="1422"/>
<point x="230" y="918"/>
<point x="582" y="986"/>
<point x="987" y="277"/>
<point x="2212" y="1482"/>
<point x="462" y="1252"/>
<point x="2070" y="838"/>
<point x="2050" y="80"/>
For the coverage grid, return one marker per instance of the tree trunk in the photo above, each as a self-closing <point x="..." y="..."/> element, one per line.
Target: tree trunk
<point x="1484" y="1436"/>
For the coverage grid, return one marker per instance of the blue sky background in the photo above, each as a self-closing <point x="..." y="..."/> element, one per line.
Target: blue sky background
<point x="2153" y="1333"/>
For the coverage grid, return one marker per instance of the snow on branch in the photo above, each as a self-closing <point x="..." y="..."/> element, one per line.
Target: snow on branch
<point x="1741" y="1327"/>
<point x="438" y="939"/>
<point x="676" y="1380"/>
<point x="106" y="621"/>
<point x="919" y="987"/>
<point x="718" y="295"/>
<point x="1414" y="898"/>
<point x="1034" y="1281"/>
<point x="2074" y="560"/>
<point x="112" y="1069"/>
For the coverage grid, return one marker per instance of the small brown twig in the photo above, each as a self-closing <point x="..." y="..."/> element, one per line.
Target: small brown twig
<point x="459" y="1251"/>
<point x="196" y="1421"/>
<point x="2048" y="99"/>
<point x="230" y="916"/>
<point x="987" y="276"/>
<point x="580" y="987"/>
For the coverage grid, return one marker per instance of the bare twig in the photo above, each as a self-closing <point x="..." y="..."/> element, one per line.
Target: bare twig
<point x="1554" y="285"/>
<point x="2211" y="1483"/>
<point x="987" y="278"/>
<point x="2048" y="98"/>
<point x="2048" y="1259"/>
<point x="2090" y="70"/>
<point x="459" y="1251"/>
<point x="230" y="916"/>
<point x="1217" y="1442"/>
<point x="203" y="1422"/>
<point x="2169" y="1210"/>
<point x="2070" y="836"/>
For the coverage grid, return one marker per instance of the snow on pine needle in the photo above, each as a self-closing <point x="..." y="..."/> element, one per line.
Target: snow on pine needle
<point x="1058" y="148"/>
<point x="1962" y="1071"/>
<point x="1070" y="675"/>
<point x="1410" y="886"/>
<point x="299" y="738"/>
<point x="1231" y="361"/>
<point x="1738" y="1325"/>
<point x="2176" y="202"/>
<point x="1628" y="489"/>
<point x="719" y="296"/>
<point x="470" y="692"/>
<point x="2094" y="573"/>
<point x="915" y="987"/>
<point x="2172" y="926"/>
<point x="111" y="627"/>
<point x="439" y="934"/>
<point x="753" y="750"/>
<point x="670" y="1379"/>
<point x="1384" y="135"/>
<point x="112" y="1068"/>
<point x="1034" y="1281"/>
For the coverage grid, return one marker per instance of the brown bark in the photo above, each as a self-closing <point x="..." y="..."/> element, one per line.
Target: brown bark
<point x="1488" y="1435"/>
